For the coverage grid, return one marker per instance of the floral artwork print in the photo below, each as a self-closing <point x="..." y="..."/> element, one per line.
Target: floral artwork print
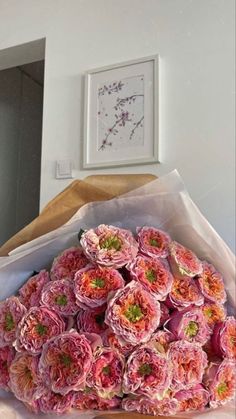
<point x="120" y="110"/>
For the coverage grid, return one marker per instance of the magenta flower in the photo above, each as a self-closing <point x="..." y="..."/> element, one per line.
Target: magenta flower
<point x="153" y="242"/>
<point x="68" y="263"/>
<point x="213" y="313"/>
<point x="224" y="338"/>
<point x="109" y="246"/>
<point x="190" y="325"/>
<point x="195" y="398"/>
<point x="65" y="362"/>
<point x="59" y="295"/>
<point x="188" y="362"/>
<point x="184" y="293"/>
<point x="92" y="321"/>
<point x="93" y="284"/>
<point x="211" y="284"/>
<point x="25" y="381"/>
<point x="133" y="314"/>
<point x="88" y="399"/>
<point x="152" y="275"/>
<point x="51" y="402"/>
<point x="165" y="314"/>
<point x="183" y="261"/>
<point x="11" y="312"/>
<point x="220" y="379"/>
<point x="147" y="406"/>
<point x="147" y="373"/>
<point x="117" y="343"/>
<point x="37" y="326"/>
<point x="7" y="354"/>
<point x="106" y="373"/>
<point x="161" y="340"/>
<point x="30" y="292"/>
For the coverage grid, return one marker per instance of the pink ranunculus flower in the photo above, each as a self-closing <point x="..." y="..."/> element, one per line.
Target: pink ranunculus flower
<point x="196" y="398"/>
<point x="59" y="295"/>
<point x="220" y="380"/>
<point x="106" y="373"/>
<point x="30" y="292"/>
<point x="37" y="326"/>
<point x="109" y="246"/>
<point x="88" y="399"/>
<point x="165" y="313"/>
<point x="133" y="314"/>
<point x="213" y="313"/>
<point x="147" y="373"/>
<point x="93" y="284"/>
<point x="7" y="354"/>
<point x="183" y="261"/>
<point x="117" y="343"/>
<point x="25" y="380"/>
<point x="11" y="312"/>
<point x="92" y="321"/>
<point x="161" y="340"/>
<point x="146" y="406"/>
<point x="190" y="325"/>
<point x="51" y="402"/>
<point x="188" y="362"/>
<point x="153" y="242"/>
<point x="184" y="293"/>
<point x="68" y="263"/>
<point x="65" y="362"/>
<point x="224" y="338"/>
<point x="152" y="275"/>
<point x="211" y="284"/>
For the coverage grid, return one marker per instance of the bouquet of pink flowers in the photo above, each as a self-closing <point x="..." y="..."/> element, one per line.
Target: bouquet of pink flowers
<point x="135" y="321"/>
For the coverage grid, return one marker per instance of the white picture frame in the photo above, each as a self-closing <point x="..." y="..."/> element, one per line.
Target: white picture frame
<point x="121" y="114"/>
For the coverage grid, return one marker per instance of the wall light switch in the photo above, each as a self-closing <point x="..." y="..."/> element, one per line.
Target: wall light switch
<point x="64" y="169"/>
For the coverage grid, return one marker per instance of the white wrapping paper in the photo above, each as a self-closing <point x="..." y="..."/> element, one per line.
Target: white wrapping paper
<point x="163" y="203"/>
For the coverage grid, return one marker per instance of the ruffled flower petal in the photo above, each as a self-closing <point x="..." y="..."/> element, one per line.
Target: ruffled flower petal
<point x="11" y="312"/>
<point x="153" y="242"/>
<point x="213" y="313"/>
<point x="184" y="293"/>
<point x="51" y="402"/>
<point x="146" y="406"/>
<point x="161" y="340"/>
<point x="117" y="343"/>
<point x="224" y="338"/>
<point x="59" y="295"/>
<point x="211" y="284"/>
<point x="193" y="399"/>
<point x="30" y="292"/>
<point x="92" y="321"/>
<point x="7" y="354"/>
<point x="68" y="263"/>
<point x="183" y="261"/>
<point x="88" y="399"/>
<point x="220" y="379"/>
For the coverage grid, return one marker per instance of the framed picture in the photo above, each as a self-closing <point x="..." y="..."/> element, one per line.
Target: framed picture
<point x="121" y="114"/>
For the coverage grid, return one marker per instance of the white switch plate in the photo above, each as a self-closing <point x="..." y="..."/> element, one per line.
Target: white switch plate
<point x="64" y="169"/>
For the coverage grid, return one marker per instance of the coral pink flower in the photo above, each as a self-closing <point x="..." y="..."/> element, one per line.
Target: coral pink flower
<point x="152" y="275"/>
<point x="224" y="338"/>
<point x="146" y="406"/>
<point x="188" y="363"/>
<point x="92" y="321"/>
<point x="11" y="312"/>
<point x="93" y="284"/>
<point x="161" y="340"/>
<point x="88" y="399"/>
<point x="153" y="242"/>
<point x="220" y="379"/>
<point x="7" y="354"/>
<point x="65" y="362"/>
<point x="190" y="325"/>
<point x="30" y="292"/>
<point x="211" y="284"/>
<point x="109" y="246"/>
<point x="184" y="293"/>
<point x="25" y="381"/>
<point x="183" y="261"/>
<point x="133" y="314"/>
<point x="213" y="313"/>
<point x="106" y="373"/>
<point x="59" y="295"/>
<point x="147" y="373"/>
<point x="195" y="398"/>
<point x="117" y="343"/>
<point x="51" y="402"/>
<point x="37" y="326"/>
<point x="68" y="263"/>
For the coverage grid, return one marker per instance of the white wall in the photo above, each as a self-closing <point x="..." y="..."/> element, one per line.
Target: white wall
<point x="195" y="39"/>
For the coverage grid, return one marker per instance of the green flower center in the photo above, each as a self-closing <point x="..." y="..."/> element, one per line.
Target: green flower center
<point x="9" y="322"/>
<point x="154" y="243"/>
<point x="192" y="329"/>
<point x="222" y="388"/>
<point x="151" y="275"/>
<point x="145" y="369"/>
<point x="98" y="283"/>
<point x="134" y="313"/>
<point x="99" y="319"/>
<point x="28" y="373"/>
<point x="65" y="359"/>
<point x="87" y="390"/>
<point x="209" y="312"/>
<point x="61" y="300"/>
<point x="41" y="329"/>
<point x="111" y="242"/>
<point x="106" y="370"/>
